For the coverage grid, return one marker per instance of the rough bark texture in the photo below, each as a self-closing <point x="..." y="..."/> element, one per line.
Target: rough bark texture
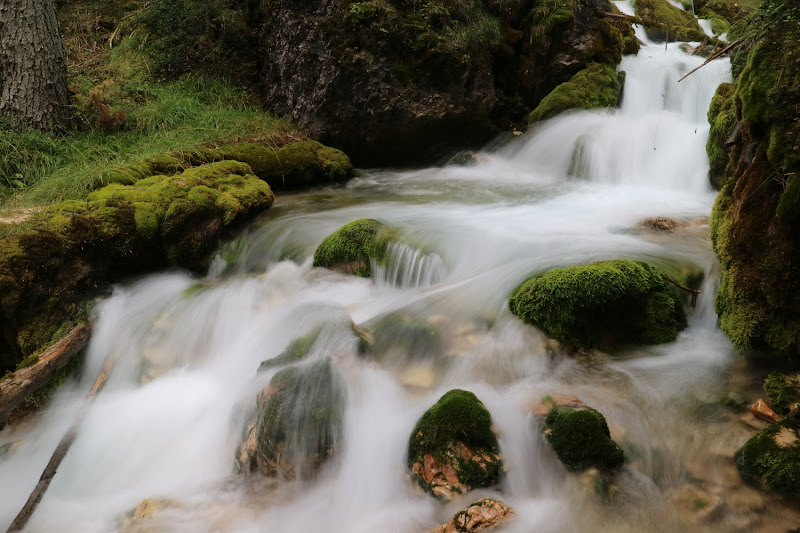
<point x="33" y="72"/>
<point x="14" y="389"/>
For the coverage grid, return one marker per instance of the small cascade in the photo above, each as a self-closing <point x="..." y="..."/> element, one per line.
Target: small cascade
<point x="408" y="267"/>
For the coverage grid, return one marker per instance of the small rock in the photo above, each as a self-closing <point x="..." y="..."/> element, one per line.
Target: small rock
<point x="697" y="504"/>
<point x="146" y="510"/>
<point x="543" y="407"/>
<point x="764" y="412"/>
<point x="482" y="515"/>
<point x="752" y="422"/>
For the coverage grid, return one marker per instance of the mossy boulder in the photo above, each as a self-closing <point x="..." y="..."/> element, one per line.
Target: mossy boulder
<point x="352" y="248"/>
<point x="783" y="391"/>
<point x="602" y="305"/>
<point x="453" y="448"/>
<point x="723" y="120"/>
<point x="664" y="21"/>
<point x="596" y="86"/>
<point x="298" y="424"/>
<point x="772" y="458"/>
<point x="581" y="439"/>
<point x="725" y="13"/>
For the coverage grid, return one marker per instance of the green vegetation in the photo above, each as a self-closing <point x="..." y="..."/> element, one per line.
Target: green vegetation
<point x="596" y="86"/>
<point x="725" y="13"/>
<point x="457" y="419"/>
<point x="293" y="353"/>
<point x="601" y="305"/>
<point x="722" y="117"/>
<point x="665" y="21"/>
<point x="783" y="391"/>
<point x="299" y="420"/>
<point x="772" y="458"/>
<point x="581" y="439"/>
<point x="352" y="248"/>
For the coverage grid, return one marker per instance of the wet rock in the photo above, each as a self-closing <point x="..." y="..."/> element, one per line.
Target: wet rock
<point x="482" y="515"/>
<point x="9" y="448"/>
<point x="136" y="521"/>
<point x="761" y="410"/>
<point x="697" y="505"/>
<point x="596" y="86"/>
<point x="598" y="484"/>
<point x="603" y="304"/>
<point x="581" y="439"/>
<point x="352" y="248"/>
<point x="783" y="391"/>
<point x="293" y="353"/>
<point x="298" y="424"/>
<point x="749" y="420"/>
<point x="453" y="448"/>
<point x="546" y="404"/>
<point x="772" y="458"/>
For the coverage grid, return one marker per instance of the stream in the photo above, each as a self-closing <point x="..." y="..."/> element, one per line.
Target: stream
<point x="571" y="190"/>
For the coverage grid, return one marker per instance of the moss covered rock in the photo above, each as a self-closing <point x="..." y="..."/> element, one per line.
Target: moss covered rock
<point x="453" y="448"/>
<point x="723" y="120"/>
<point x="596" y="86"/>
<point x="663" y="21"/>
<point x="725" y="13"/>
<point x="755" y="223"/>
<point x="783" y="391"/>
<point x="601" y="305"/>
<point x="772" y="458"/>
<point x="352" y="248"/>
<point x="581" y="439"/>
<point x="405" y="335"/>
<point x="299" y="422"/>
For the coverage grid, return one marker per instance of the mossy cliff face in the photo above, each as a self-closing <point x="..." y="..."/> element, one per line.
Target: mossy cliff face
<point x="596" y="86"/>
<point x="352" y="248"/>
<point x="453" y="449"/>
<point x="398" y="82"/>
<point x="169" y="210"/>
<point x="723" y="119"/>
<point x="755" y="219"/>
<point x="772" y="458"/>
<point x="664" y="21"/>
<point x="581" y="439"/>
<point x="601" y="305"/>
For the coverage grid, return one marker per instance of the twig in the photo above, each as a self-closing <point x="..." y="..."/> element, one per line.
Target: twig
<point x="712" y="57"/>
<point x="693" y="292"/>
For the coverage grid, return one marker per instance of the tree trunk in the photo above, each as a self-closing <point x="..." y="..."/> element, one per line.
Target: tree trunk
<point x="33" y="71"/>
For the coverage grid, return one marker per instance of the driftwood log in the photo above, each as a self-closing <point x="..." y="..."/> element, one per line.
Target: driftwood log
<point x="60" y="452"/>
<point x="25" y="381"/>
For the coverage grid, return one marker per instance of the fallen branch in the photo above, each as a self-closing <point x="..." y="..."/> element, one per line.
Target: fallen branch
<point x="26" y="381"/>
<point x="60" y="452"/>
<point x="693" y="292"/>
<point x="712" y="57"/>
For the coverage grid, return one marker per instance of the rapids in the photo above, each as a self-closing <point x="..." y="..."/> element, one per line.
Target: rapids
<point x="571" y="190"/>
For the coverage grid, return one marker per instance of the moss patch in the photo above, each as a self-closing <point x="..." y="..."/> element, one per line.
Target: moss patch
<point x="772" y="458"/>
<point x="596" y="86"/>
<point x="352" y="248"/>
<point x="783" y="391"/>
<point x="581" y="439"/>
<point x="293" y="353"/>
<point x="663" y="20"/>
<point x="602" y="304"/>
<point x="723" y="120"/>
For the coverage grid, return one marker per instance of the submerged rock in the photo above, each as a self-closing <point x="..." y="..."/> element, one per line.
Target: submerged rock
<point x="404" y="337"/>
<point x="136" y="520"/>
<point x="772" y="458"/>
<point x="296" y="351"/>
<point x="298" y="424"/>
<point x="602" y="304"/>
<point x="581" y="439"/>
<point x="352" y="248"/>
<point x="453" y="449"/>
<point x="482" y="515"/>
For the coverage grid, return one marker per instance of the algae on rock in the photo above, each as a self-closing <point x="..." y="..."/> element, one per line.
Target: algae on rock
<point x="352" y="248"/>
<point x="596" y="86"/>
<point x="602" y="305"/>
<point x="453" y="448"/>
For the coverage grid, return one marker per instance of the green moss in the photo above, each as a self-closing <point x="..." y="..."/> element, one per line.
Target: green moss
<point x="602" y="304"/>
<point x="296" y="350"/>
<point x="723" y="120"/>
<point x="788" y="210"/>
<point x="581" y="439"/>
<point x="28" y="361"/>
<point x="457" y="418"/>
<point x="763" y="460"/>
<point x="39" y="399"/>
<point x="300" y="420"/>
<point x="353" y="247"/>
<point x="663" y="20"/>
<point x="783" y="391"/>
<point x="596" y="86"/>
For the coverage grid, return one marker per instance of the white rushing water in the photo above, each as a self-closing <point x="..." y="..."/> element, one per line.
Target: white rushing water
<point x="569" y="191"/>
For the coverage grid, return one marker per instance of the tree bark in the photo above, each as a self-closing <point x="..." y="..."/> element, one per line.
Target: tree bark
<point x="26" y="381"/>
<point x="33" y="71"/>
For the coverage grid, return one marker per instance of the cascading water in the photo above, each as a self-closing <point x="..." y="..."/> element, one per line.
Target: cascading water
<point x="171" y="419"/>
